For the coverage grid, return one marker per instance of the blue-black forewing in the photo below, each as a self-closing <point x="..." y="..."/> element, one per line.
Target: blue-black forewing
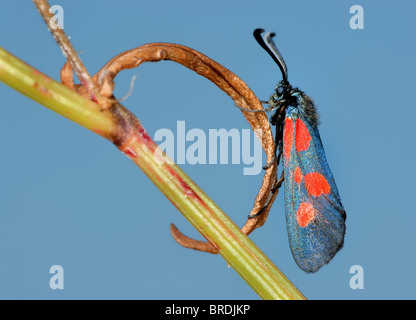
<point x="313" y="245"/>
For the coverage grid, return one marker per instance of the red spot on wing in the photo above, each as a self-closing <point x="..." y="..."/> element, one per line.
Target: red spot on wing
<point x="302" y="136"/>
<point x="287" y="137"/>
<point x="316" y="184"/>
<point x="298" y="175"/>
<point x="306" y="213"/>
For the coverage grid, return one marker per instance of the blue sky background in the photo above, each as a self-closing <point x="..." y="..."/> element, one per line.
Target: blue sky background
<point x="69" y="197"/>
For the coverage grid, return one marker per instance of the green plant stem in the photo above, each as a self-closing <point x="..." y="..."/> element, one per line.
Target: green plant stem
<point x="53" y="95"/>
<point x="236" y="248"/>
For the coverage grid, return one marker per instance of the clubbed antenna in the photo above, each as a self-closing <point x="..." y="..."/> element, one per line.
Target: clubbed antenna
<point x="271" y="49"/>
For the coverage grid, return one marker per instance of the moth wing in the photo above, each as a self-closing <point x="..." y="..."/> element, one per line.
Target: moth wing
<point x="314" y="212"/>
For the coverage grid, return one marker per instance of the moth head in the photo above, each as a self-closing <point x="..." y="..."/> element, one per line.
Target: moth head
<point x="282" y="93"/>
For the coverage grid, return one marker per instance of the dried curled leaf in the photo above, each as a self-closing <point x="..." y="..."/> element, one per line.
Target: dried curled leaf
<point x="227" y="81"/>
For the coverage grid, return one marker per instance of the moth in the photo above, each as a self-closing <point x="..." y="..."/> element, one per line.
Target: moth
<point x="315" y="215"/>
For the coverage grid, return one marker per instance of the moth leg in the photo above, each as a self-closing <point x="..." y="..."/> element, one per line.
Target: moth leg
<point x="272" y="192"/>
<point x="267" y="166"/>
<point x="267" y="109"/>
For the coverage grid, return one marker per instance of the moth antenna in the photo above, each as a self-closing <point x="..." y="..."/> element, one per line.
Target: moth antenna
<point x="271" y="49"/>
<point x="269" y="41"/>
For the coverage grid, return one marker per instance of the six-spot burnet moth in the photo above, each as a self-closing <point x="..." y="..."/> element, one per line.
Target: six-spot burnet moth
<point x="314" y="213"/>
